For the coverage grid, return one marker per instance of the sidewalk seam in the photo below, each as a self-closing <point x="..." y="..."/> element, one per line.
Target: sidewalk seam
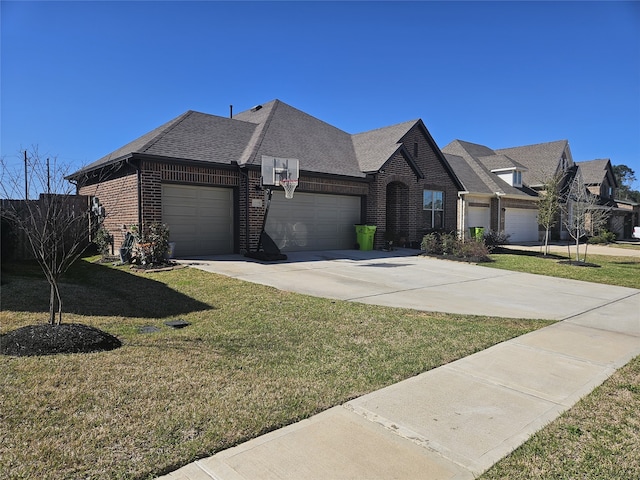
<point x="637" y="292"/>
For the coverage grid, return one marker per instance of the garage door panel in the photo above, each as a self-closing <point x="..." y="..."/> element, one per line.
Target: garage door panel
<point x="200" y="219"/>
<point x="313" y="221"/>
<point x="521" y="225"/>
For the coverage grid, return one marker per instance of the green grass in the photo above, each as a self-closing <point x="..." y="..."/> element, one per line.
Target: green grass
<point x="252" y="360"/>
<point x="621" y="271"/>
<point x="628" y="246"/>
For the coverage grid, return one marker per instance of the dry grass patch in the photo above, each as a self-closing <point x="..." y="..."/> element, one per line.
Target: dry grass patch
<point x="252" y="360"/>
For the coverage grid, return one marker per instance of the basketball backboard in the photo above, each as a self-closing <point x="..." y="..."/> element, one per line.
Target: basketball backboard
<point x="276" y="169"/>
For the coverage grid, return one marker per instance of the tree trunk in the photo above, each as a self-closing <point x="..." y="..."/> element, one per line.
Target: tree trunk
<point x="52" y="300"/>
<point x="59" y="298"/>
<point x="546" y="242"/>
<point x="55" y="304"/>
<point x="586" y="246"/>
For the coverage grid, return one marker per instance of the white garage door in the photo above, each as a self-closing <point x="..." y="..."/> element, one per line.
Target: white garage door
<point x="479" y="217"/>
<point x="313" y="221"/>
<point x="200" y="219"/>
<point x="521" y="224"/>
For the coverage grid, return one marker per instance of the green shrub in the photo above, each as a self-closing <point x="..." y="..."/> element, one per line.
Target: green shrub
<point x="493" y="239"/>
<point x="431" y="244"/>
<point x="603" y="237"/>
<point x="472" y="250"/>
<point x="151" y="246"/>
<point x="103" y="241"/>
<point x="449" y="243"/>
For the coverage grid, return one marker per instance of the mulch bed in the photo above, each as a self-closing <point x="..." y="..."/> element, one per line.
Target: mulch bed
<point x="46" y="339"/>
<point x="455" y="258"/>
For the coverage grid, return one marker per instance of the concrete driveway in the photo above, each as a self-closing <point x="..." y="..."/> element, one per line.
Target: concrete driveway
<point x="402" y="278"/>
<point x="429" y="425"/>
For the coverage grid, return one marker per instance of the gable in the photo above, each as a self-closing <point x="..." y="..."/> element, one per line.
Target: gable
<point x="542" y="160"/>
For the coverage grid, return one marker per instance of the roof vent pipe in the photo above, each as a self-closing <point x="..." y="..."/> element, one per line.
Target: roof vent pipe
<point x="230" y="111"/>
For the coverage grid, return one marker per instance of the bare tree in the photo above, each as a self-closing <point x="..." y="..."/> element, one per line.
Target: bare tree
<point x="583" y="216"/>
<point x="549" y="207"/>
<point x="56" y="226"/>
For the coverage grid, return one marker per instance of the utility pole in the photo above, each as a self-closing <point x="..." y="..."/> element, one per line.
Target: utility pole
<point x="48" y="178"/>
<point x="26" y="183"/>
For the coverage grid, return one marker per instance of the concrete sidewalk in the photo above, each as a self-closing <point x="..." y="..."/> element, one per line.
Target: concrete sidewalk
<point x="457" y="420"/>
<point x="562" y="248"/>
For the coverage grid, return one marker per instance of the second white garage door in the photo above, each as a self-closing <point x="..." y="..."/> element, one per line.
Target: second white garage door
<point x="313" y="221"/>
<point x="200" y="219"/>
<point x="521" y="224"/>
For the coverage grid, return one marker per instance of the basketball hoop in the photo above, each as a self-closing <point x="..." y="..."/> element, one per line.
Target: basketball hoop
<point x="289" y="186"/>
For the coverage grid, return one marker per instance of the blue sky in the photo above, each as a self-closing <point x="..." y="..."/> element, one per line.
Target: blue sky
<point x="80" y="79"/>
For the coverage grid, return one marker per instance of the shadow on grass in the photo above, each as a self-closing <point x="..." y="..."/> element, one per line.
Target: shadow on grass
<point x="527" y="253"/>
<point x="94" y="290"/>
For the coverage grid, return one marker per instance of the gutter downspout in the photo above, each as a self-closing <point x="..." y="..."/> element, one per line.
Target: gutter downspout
<point x="463" y="211"/>
<point x="498" y="196"/>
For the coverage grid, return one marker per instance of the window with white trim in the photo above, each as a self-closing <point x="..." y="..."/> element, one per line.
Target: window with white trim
<point x="433" y="206"/>
<point x="517" y="178"/>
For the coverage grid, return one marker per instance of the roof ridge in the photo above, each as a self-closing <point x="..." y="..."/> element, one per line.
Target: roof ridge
<point x="395" y="125"/>
<point x="478" y="167"/>
<point x="262" y="129"/>
<point x="564" y="141"/>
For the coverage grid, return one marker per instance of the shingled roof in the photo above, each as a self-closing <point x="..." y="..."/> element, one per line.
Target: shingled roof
<point x="192" y="136"/>
<point x="473" y="165"/>
<point x="287" y="132"/>
<point x="541" y="160"/>
<point x="375" y="147"/>
<point x="470" y="180"/>
<point x="273" y="129"/>
<point x="594" y="172"/>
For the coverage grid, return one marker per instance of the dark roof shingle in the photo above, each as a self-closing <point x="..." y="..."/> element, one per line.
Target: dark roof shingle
<point x="274" y="129"/>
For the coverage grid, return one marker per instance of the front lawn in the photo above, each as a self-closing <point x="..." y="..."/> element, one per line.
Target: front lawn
<point x="252" y="360"/>
<point x="621" y="271"/>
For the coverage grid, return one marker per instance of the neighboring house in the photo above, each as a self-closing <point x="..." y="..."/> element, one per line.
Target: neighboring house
<point x="200" y="174"/>
<point x="544" y="161"/>
<point x="600" y="180"/>
<point x="501" y="187"/>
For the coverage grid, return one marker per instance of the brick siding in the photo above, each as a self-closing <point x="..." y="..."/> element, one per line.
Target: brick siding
<point x="398" y="192"/>
<point x="118" y="194"/>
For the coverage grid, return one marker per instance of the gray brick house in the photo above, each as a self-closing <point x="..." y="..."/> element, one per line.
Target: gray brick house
<point x="200" y="174"/>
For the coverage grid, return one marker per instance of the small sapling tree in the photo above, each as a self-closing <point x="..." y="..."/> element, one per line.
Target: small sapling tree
<point x="549" y="207"/>
<point x="54" y="222"/>
<point x="583" y="216"/>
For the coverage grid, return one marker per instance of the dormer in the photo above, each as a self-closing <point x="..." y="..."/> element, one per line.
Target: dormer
<point x="510" y="175"/>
